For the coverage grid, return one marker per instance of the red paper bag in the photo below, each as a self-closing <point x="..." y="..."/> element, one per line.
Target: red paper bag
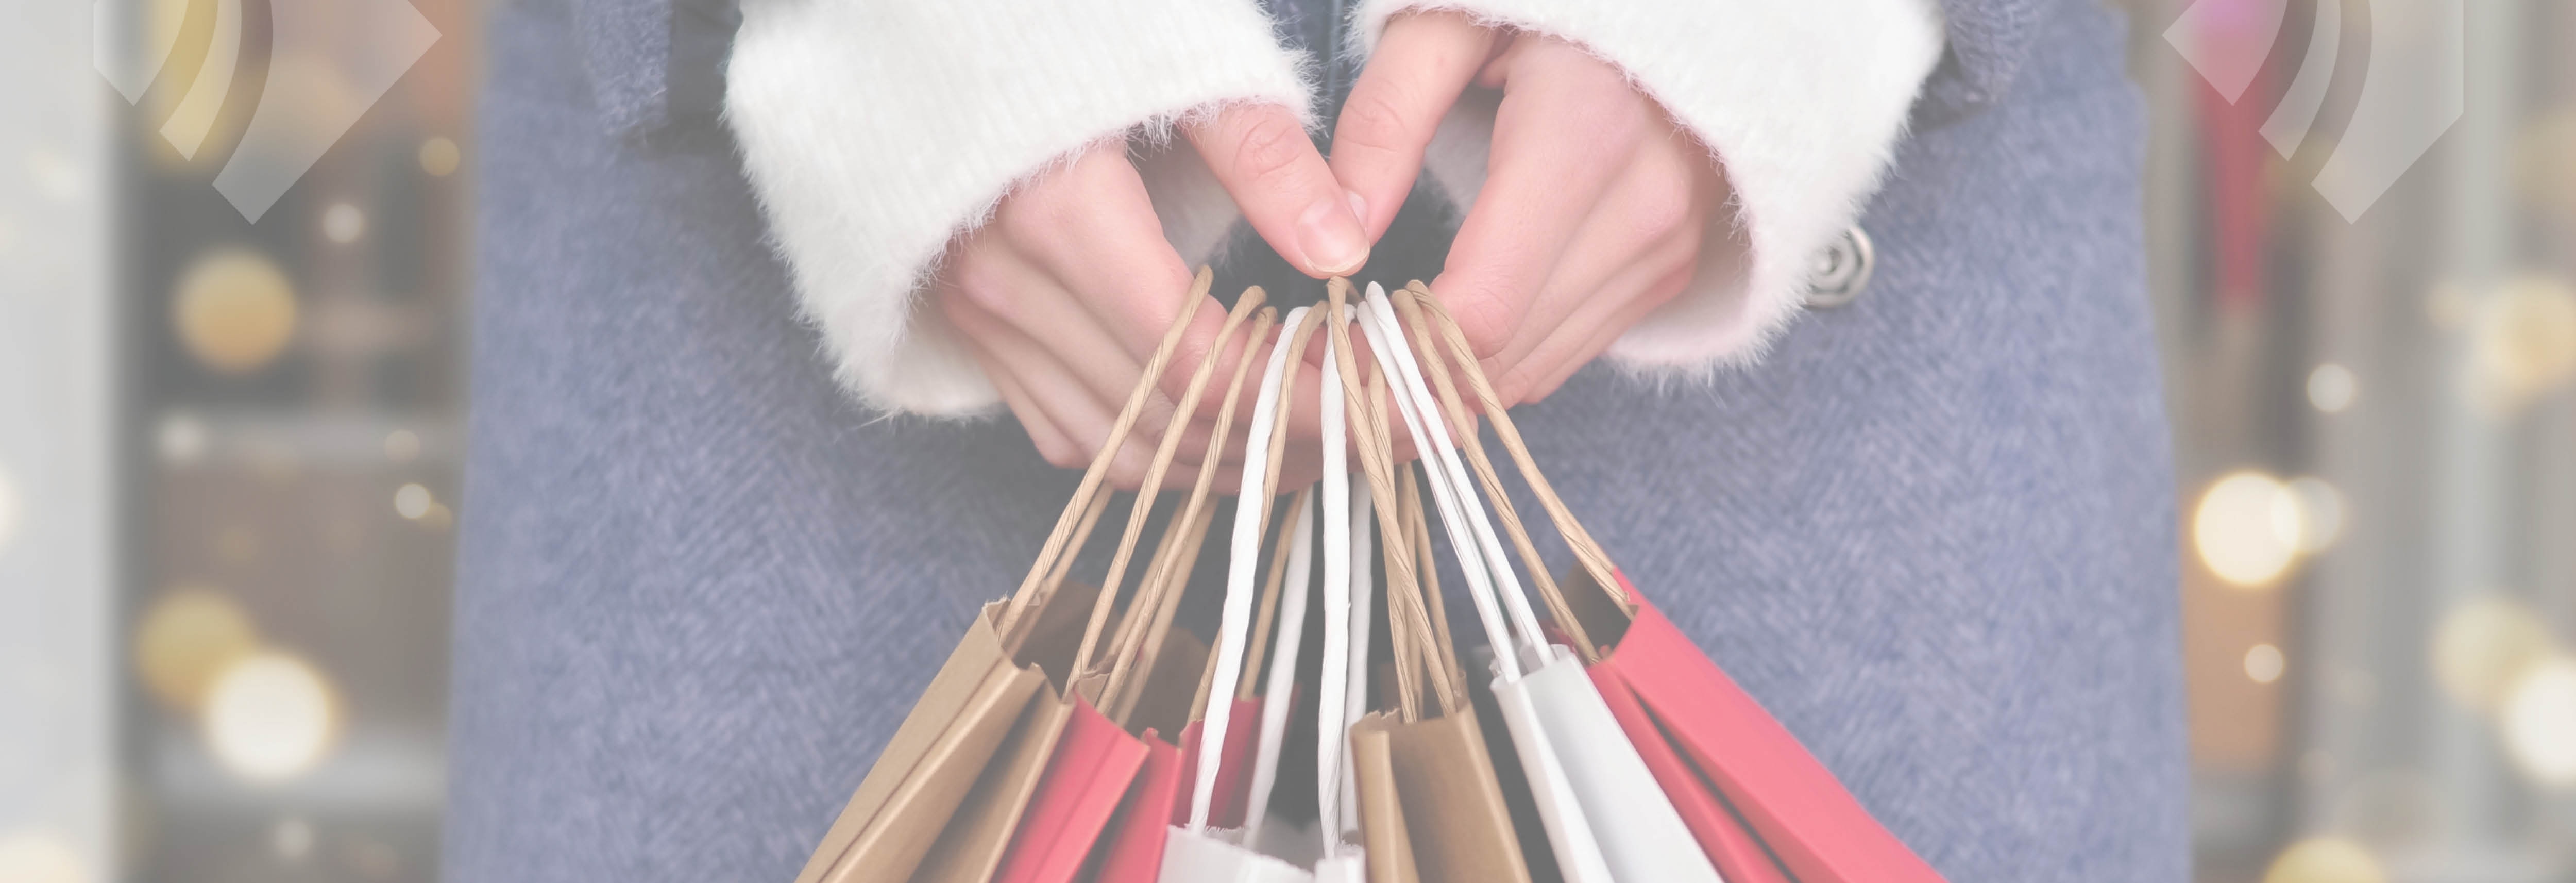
<point x="1086" y="779"/>
<point x="1739" y="857"/>
<point x="1135" y="838"/>
<point x="1233" y="779"/>
<point x="1820" y="833"/>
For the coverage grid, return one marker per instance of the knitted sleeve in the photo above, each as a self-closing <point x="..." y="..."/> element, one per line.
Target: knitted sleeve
<point x="876" y="132"/>
<point x="1801" y="103"/>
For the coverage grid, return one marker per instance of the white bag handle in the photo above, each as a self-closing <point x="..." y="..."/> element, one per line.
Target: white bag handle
<point x="1355" y="696"/>
<point x="1480" y="580"/>
<point x="1282" y="685"/>
<point x="1570" y="834"/>
<point x="1382" y="311"/>
<point x="1329" y="702"/>
<point x="1235" y="626"/>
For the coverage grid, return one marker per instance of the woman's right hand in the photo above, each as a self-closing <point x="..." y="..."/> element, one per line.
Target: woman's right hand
<point x="1064" y="295"/>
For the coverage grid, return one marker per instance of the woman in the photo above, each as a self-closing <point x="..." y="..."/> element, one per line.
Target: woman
<point x="751" y="277"/>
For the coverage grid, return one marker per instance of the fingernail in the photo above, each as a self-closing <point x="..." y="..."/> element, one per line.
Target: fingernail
<point x="1331" y="236"/>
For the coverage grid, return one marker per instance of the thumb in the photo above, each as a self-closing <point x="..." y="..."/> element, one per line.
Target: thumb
<point x="1421" y="65"/>
<point x="1262" y="156"/>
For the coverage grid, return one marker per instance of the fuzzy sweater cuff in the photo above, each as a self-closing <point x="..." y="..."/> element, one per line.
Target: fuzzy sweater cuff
<point x="875" y="133"/>
<point x="1802" y="104"/>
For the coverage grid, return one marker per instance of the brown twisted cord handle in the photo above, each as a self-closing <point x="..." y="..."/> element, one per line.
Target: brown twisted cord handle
<point x="1409" y="625"/>
<point x="1043" y="572"/>
<point x="1167" y="577"/>
<point x="1418" y="527"/>
<point x="1147" y="622"/>
<point x="1374" y="457"/>
<point x="1419" y="338"/>
<point x="1162" y="463"/>
<point x="1399" y="567"/>
<point x="1587" y="551"/>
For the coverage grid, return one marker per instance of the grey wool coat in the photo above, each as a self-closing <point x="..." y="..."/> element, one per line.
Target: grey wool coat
<point x="1932" y="531"/>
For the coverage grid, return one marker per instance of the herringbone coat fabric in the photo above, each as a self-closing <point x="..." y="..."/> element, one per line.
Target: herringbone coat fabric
<point x="1932" y="531"/>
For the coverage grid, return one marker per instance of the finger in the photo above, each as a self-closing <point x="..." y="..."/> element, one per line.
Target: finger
<point x="1091" y="227"/>
<point x="1002" y="284"/>
<point x="1051" y="442"/>
<point x="1422" y="63"/>
<point x="1052" y="389"/>
<point x="1263" y="157"/>
<point x="1589" y="333"/>
<point x="1557" y="144"/>
<point x="1653" y="203"/>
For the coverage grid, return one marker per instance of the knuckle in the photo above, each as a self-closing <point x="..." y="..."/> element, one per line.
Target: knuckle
<point x="1484" y="315"/>
<point x="1662" y="214"/>
<point x="1671" y="286"/>
<point x="1059" y="454"/>
<point x="1514" y="386"/>
<point x="1269" y="145"/>
<point x="1373" y="118"/>
<point x="978" y="286"/>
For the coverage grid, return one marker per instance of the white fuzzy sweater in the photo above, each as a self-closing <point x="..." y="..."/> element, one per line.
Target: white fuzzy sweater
<point x="875" y="132"/>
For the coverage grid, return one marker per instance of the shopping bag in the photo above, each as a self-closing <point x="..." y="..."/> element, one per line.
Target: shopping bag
<point x="1097" y="759"/>
<point x="1192" y="850"/>
<point x="1722" y="833"/>
<point x="980" y="696"/>
<point x="934" y="759"/>
<point x="1454" y="824"/>
<point x="1134" y="852"/>
<point x="1518" y="641"/>
<point x="1796" y="807"/>
<point x="1381" y="804"/>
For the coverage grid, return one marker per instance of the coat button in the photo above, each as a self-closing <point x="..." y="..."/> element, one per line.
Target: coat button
<point x="1842" y="271"/>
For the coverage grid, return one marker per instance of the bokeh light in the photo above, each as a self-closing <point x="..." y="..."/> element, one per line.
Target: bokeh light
<point x="2314" y="518"/>
<point x="344" y="223"/>
<point x="2331" y="388"/>
<point x="291" y="838"/>
<point x="186" y="639"/>
<point x="402" y="446"/>
<point x="440" y="157"/>
<point x="8" y="508"/>
<point x="2541" y="168"/>
<point x="271" y="716"/>
<point x="2237" y="529"/>
<point x="2325" y="860"/>
<point x="2524" y="343"/>
<point x="2264" y="663"/>
<point x="2481" y="647"/>
<point x="412" y="501"/>
<point x="234" y="310"/>
<point x="182" y="439"/>
<point x="2539" y="720"/>
<point x="40" y="857"/>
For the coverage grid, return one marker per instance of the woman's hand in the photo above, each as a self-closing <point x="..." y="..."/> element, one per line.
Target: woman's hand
<point x="1594" y="204"/>
<point x="1064" y="295"/>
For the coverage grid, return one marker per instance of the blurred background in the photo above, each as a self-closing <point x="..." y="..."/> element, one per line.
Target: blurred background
<point x="229" y="448"/>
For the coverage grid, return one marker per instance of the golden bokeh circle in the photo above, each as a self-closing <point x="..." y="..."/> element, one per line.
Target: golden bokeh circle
<point x="185" y="639"/>
<point x="2325" y="860"/>
<point x="2525" y="341"/>
<point x="2539" y="721"/>
<point x="440" y="157"/>
<point x="271" y="716"/>
<point x="9" y="509"/>
<point x="2481" y="647"/>
<point x="234" y="310"/>
<point x="37" y="856"/>
<point x="2246" y="529"/>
